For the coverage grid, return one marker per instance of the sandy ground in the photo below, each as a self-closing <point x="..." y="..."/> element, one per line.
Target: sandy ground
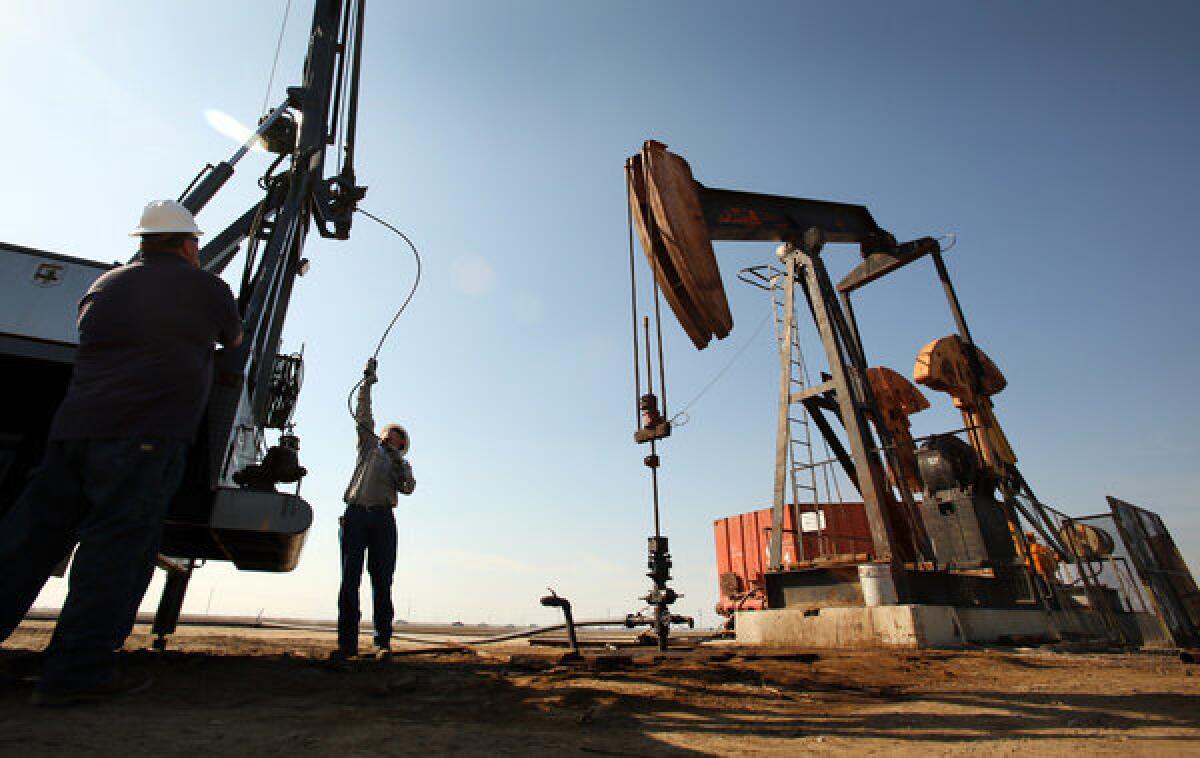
<point x="228" y="691"/>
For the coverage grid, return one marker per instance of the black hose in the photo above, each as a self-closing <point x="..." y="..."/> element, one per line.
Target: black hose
<point x="514" y="635"/>
<point x="481" y="641"/>
<point x="400" y="310"/>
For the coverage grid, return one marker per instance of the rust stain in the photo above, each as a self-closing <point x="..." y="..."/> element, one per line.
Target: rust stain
<point x="740" y="217"/>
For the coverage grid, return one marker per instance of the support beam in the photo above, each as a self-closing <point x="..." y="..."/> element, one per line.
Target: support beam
<point x="813" y="391"/>
<point x="782" y="430"/>
<point x="882" y="263"/>
<point x="170" y="605"/>
<point x="816" y="411"/>
<point x="849" y="393"/>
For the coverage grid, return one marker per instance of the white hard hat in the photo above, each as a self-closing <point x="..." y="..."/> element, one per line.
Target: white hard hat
<point x="166" y="217"/>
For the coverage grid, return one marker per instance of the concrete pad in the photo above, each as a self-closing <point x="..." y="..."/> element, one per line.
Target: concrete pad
<point x="893" y="626"/>
<point x="992" y="624"/>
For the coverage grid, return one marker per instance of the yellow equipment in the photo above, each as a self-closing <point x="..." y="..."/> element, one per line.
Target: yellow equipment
<point x="944" y="365"/>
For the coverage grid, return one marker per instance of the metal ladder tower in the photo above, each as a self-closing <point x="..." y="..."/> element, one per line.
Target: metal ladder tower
<point x="797" y="470"/>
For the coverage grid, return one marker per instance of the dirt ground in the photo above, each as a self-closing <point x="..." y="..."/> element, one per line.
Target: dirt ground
<point x="242" y="691"/>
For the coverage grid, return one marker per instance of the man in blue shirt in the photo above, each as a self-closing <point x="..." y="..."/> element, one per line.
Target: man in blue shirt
<point x="116" y="454"/>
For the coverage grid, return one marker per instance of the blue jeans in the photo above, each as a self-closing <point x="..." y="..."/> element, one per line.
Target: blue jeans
<point x="110" y="497"/>
<point x="370" y="534"/>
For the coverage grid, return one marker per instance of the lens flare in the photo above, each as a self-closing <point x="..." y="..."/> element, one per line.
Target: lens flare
<point x="232" y="128"/>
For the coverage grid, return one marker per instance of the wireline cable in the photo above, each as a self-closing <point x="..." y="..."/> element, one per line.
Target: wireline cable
<point x="399" y="311"/>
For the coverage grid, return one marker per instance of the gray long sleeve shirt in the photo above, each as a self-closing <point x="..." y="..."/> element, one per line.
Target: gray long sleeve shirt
<point x="380" y="471"/>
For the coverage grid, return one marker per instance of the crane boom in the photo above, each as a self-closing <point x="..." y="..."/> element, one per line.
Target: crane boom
<point x="228" y="507"/>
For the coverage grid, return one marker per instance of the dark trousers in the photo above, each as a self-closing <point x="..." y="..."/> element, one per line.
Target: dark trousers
<point x="369" y="533"/>
<point x="110" y="497"/>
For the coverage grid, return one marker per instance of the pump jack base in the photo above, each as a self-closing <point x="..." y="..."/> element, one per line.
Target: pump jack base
<point x="917" y="627"/>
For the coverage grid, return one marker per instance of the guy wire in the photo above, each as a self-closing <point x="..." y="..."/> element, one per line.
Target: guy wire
<point x="278" y="46"/>
<point x="717" y="377"/>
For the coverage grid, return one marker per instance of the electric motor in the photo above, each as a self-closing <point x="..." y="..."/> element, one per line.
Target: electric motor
<point x="946" y="462"/>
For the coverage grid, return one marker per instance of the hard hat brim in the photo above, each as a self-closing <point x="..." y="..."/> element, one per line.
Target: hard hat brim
<point x="177" y="230"/>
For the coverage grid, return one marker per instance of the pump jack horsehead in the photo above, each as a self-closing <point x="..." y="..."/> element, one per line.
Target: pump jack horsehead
<point x="677" y="219"/>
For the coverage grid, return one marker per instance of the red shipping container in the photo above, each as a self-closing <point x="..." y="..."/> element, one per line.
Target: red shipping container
<point x="743" y="542"/>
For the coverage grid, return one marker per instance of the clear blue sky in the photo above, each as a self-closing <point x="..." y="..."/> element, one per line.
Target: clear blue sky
<point x="1058" y="141"/>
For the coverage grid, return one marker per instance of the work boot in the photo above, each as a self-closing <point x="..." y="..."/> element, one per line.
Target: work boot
<point x="20" y="668"/>
<point x="124" y="683"/>
<point x="339" y="659"/>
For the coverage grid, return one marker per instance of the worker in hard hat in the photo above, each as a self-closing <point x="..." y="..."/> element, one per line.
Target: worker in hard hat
<point x="115" y="454"/>
<point x="369" y="524"/>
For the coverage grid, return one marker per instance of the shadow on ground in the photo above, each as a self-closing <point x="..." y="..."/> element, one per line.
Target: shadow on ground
<point x="262" y="701"/>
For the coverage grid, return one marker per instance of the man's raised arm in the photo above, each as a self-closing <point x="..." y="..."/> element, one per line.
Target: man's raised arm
<point x="364" y="421"/>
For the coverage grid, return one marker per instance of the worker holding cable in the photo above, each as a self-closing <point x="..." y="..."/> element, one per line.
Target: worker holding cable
<point x="369" y="523"/>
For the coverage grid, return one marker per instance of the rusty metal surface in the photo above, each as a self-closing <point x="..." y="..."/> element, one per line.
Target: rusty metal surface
<point x="742" y="546"/>
<point x="677" y="218"/>
<point x="898" y="399"/>
<point x="670" y="226"/>
<point x="676" y="205"/>
<point x="967" y="374"/>
<point x="670" y="283"/>
<point x="732" y="215"/>
<point x="943" y="365"/>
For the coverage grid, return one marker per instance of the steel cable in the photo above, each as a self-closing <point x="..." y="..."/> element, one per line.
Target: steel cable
<point x="682" y="412"/>
<point x="278" y="46"/>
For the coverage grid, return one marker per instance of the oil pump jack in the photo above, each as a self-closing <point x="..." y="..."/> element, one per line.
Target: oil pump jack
<point x="228" y="507"/>
<point x="961" y="543"/>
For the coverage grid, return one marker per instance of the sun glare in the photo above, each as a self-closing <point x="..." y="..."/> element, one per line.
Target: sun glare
<point x="231" y="128"/>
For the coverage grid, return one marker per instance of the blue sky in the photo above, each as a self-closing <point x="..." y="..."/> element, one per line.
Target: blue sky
<point x="1057" y="142"/>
